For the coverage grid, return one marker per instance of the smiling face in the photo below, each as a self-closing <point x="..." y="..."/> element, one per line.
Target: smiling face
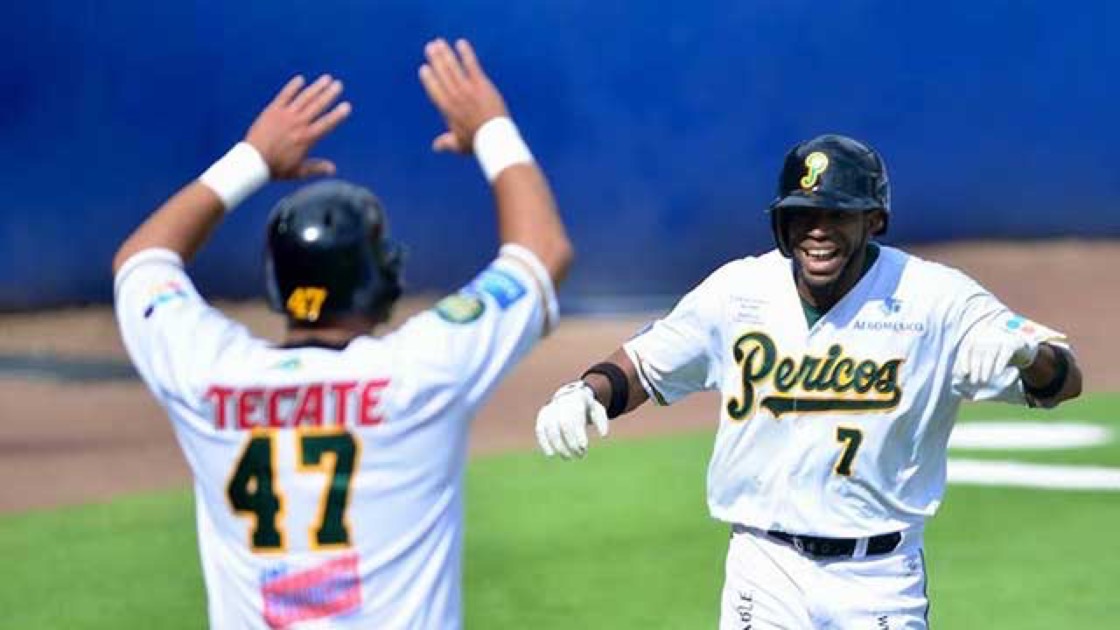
<point x="828" y="248"/>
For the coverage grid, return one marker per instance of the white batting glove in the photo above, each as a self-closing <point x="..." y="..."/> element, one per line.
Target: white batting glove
<point x="994" y="351"/>
<point x="562" y="423"/>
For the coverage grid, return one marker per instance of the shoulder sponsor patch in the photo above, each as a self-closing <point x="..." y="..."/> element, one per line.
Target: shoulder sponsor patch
<point x="1033" y="331"/>
<point x="500" y="285"/>
<point x="163" y="293"/>
<point x="460" y="308"/>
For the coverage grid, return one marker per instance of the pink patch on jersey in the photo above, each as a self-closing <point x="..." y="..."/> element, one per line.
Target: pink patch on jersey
<point x="329" y="589"/>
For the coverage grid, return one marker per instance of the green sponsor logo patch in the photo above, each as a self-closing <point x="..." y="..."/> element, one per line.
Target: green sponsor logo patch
<point x="460" y="308"/>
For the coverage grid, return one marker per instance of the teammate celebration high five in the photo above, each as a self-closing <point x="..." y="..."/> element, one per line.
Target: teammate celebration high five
<point x="841" y="364"/>
<point x="329" y="469"/>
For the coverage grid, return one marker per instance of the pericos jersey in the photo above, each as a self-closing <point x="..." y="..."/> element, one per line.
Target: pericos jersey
<point x="838" y="429"/>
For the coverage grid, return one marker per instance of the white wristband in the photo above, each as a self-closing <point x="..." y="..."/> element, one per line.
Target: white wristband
<point x="498" y="146"/>
<point x="238" y="174"/>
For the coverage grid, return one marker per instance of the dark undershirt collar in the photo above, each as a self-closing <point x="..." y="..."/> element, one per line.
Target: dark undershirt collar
<point x="315" y="343"/>
<point x="812" y="313"/>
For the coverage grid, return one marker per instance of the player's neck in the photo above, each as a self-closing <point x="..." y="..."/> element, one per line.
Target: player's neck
<point x="824" y="297"/>
<point x="339" y="333"/>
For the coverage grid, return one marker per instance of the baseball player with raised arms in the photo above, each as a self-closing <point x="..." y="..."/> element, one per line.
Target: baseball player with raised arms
<point x="841" y="364"/>
<point x="329" y="469"/>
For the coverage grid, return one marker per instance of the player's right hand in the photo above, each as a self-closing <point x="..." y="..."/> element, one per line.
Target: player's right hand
<point x="293" y="122"/>
<point x="991" y="350"/>
<point x="562" y="423"/>
<point x="461" y="91"/>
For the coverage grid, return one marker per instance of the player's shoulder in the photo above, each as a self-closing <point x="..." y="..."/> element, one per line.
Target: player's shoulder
<point x="752" y="267"/>
<point x="932" y="277"/>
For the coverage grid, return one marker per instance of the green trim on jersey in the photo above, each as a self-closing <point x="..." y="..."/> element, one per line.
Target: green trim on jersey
<point x="812" y="313"/>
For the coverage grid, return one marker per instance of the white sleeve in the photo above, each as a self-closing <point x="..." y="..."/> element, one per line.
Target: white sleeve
<point x="979" y="314"/>
<point x="679" y="354"/>
<point x="171" y="334"/>
<point x="471" y="338"/>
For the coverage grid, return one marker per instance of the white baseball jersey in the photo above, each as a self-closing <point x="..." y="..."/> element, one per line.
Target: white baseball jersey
<point x="328" y="482"/>
<point x="839" y="429"/>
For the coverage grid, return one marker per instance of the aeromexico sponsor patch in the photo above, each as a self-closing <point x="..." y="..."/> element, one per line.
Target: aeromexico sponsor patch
<point x="834" y="382"/>
<point x="889" y="317"/>
<point x="887" y="325"/>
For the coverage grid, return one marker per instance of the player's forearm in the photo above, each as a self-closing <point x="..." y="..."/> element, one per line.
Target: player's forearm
<point x="527" y="216"/>
<point x="527" y="212"/>
<point x="182" y="224"/>
<point x="604" y="390"/>
<point x="1042" y="375"/>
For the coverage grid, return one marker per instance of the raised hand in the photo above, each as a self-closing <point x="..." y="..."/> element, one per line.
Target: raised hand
<point x="293" y="122"/>
<point x="461" y="91"/>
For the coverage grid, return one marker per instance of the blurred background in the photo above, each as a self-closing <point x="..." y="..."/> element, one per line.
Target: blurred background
<point x="661" y="125"/>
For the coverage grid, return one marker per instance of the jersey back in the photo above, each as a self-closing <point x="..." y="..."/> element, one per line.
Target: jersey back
<point x="328" y="481"/>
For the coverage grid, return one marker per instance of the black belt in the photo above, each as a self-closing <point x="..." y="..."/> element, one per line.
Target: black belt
<point x="838" y="547"/>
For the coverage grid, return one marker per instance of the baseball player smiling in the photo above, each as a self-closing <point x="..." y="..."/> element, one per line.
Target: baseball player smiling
<point x="842" y="364"/>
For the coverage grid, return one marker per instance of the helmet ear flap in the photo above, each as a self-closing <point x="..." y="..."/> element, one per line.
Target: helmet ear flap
<point x="392" y="259"/>
<point x="275" y="300"/>
<point x="777" y="226"/>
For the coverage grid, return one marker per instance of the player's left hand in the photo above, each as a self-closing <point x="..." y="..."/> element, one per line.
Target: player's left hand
<point x="562" y="423"/>
<point x="992" y="351"/>
<point x="293" y="122"/>
<point x="460" y="89"/>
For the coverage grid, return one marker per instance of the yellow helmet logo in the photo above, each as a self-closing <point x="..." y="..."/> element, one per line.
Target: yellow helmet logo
<point x="305" y="303"/>
<point x="815" y="164"/>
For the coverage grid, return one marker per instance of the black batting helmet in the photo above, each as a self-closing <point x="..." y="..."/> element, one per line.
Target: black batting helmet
<point x="831" y="172"/>
<point x="329" y="254"/>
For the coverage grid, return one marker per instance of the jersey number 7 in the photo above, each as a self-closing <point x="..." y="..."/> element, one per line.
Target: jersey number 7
<point x="253" y="493"/>
<point x="851" y="438"/>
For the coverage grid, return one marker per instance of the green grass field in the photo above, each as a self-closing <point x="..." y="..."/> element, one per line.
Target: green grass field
<point x="620" y="540"/>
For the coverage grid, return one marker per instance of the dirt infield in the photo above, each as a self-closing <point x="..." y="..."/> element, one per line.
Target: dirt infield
<point x="76" y="437"/>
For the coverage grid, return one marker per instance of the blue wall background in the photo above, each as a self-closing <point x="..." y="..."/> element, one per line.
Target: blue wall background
<point x="661" y="124"/>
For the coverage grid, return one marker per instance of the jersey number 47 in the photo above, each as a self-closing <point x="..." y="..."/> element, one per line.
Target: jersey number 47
<point x="253" y="493"/>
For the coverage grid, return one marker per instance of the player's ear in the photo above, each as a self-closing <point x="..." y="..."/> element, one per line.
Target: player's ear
<point x="876" y="222"/>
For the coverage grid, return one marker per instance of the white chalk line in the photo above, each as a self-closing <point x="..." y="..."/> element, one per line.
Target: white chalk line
<point x="1030" y="436"/>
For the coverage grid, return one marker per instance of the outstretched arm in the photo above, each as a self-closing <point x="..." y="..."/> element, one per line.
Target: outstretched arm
<point x="478" y="121"/>
<point x="628" y="394"/>
<point x="607" y="390"/>
<point x="1048" y="371"/>
<point x="275" y="147"/>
